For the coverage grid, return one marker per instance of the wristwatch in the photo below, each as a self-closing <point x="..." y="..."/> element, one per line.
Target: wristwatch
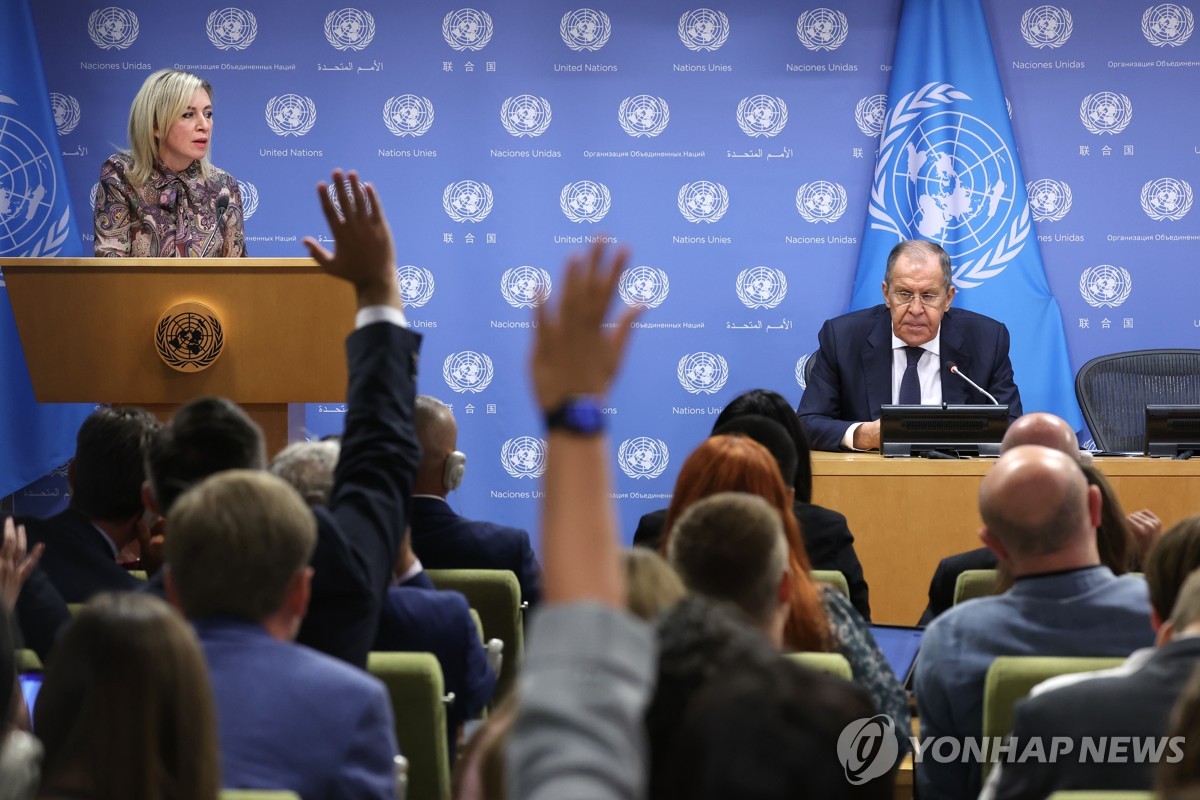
<point x="579" y="414"/>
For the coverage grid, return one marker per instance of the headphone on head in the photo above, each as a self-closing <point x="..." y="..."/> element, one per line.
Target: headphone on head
<point x="456" y="467"/>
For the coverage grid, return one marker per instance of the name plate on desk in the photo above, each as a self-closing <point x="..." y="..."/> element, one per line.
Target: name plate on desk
<point x="942" y="431"/>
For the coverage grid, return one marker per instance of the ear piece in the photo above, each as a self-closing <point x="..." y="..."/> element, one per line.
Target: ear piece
<point x="452" y="474"/>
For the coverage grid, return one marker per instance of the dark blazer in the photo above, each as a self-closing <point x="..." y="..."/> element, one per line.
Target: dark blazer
<point x="1138" y="704"/>
<point x="941" y="588"/>
<point x="439" y="622"/>
<point x="79" y="558"/>
<point x="851" y="374"/>
<point x="40" y="613"/>
<point x="827" y="539"/>
<point x="444" y="540"/>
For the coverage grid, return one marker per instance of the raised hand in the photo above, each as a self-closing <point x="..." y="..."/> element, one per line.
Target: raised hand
<point x="15" y="562"/>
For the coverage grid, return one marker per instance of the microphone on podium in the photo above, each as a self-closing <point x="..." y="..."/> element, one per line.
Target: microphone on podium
<point x="954" y="368"/>
<point x="222" y="207"/>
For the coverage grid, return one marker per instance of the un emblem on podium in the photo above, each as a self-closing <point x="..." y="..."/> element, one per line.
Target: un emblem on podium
<point x="189" y="337"/>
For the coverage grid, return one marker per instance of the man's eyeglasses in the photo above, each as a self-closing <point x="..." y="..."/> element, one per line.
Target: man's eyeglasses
<point x="926" y="298"/>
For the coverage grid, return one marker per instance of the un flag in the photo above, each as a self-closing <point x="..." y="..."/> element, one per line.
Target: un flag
<point x="948" y="172"/>
<point x="35" y="220"/>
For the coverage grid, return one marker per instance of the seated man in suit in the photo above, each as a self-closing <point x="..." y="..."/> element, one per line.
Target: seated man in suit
<point x="358" y="533"/>
<point x="1135" y="700"/>
<point x="901" y="352"/>
<point x="1039" y="518"/>
<point x="443" y="539"/>
<point x="288" y="717"/>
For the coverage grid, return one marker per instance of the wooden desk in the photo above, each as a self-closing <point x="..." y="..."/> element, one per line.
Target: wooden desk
<point x="908" y="514"/>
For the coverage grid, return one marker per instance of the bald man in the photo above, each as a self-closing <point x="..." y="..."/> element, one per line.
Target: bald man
<point x="1040" y="517"/>
<point x="1049" y="431"/>
<point x="441" y="539"/>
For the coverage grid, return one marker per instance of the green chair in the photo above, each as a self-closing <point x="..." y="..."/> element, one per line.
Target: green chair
<point x="834" y="578"/>
<point x="258" y="794"/>
<point x="28" y="661"/>
<point x="414" y="684"/>
<point x="832" y="663"/>
<point x="1010" y="679"/>
<point x="1102" y="795"/>
<point x="974" y="583"/>
<point x="496" y="595"/>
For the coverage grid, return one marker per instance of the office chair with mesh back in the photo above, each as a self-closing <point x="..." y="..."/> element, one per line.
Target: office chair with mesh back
<point x="1114" y="390"/>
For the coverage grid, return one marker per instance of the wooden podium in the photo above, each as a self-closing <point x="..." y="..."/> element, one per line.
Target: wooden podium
<point x="92" y="330"/>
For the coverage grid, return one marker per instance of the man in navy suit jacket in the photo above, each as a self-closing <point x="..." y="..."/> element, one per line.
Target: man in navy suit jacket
<point x="863" y="358"/>
<point x="441" y="538"/>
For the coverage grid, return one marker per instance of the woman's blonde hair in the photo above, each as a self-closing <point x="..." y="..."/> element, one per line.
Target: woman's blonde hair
<point x="159" y="104"/>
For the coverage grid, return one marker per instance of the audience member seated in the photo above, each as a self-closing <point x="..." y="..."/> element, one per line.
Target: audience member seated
<point x="1039" y="518"/>
<point x="1180" y="780"/>
<point x="358" y="534"/>
<point x="308" y="467"/>
<point x="126" y="711"/>
<point x="827" y="538"/>
<point x="816" y="617"/>
<point x="1122" y="540"/>
<point x="289" y="717"/>
<point x="105" y="515"/>
<point x="652" y="584"/>
<point x="1134" y="700"/>
<point x="441" y="538"/>
<point x="20" y="752"/>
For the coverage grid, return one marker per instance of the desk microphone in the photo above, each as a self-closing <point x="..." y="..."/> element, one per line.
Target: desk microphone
<point x="222" y="207"/>
<point x="954" y="368"/>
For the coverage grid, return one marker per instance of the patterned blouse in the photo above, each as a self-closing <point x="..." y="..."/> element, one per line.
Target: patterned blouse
<point x="172" y="214"/>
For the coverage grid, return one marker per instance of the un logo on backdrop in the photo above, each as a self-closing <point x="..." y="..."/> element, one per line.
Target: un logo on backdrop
<point x="408" y="115"/>
<point x="525" y="286"/>
<point x="585" y="29"/>
<point x="94" y="194"/>
<point x="231" y="28"/>
<point x="467" y="201"/>
<point x="467" y="29"/>
<point x="113" y="28"/>
<point x="415" y="284"/>
<point x="869" y="114"/>
<point x="66" y="112"/>
<point x="467" y="371"/>
<point x="28" y="192"/>
<point x="291" y="114"/>
<point x="1050" y="200"/>
<point x="1105" y="286"/>
<point x="702" y="373"/>
<point x="821" y="201"/>
<point x="524" y="457"/>
<point x="644" y="287"/>
<point x="1046" y="26"/>
<point x="703" y="29"/>
<point x="703" y="201"/>
<point x="1168" y="25"/>
<point x="249" y="194"/>
<point x="762" y="115"/>
<point x="761" y="287"/>
<point x="585" y="201"/>
<point x="801" y="368"/>
<point x="525" y="115"/>
<point x="350" y="28"/>
<point x="643" y="457"/>
<point x="1106" y="112"/>
<point x="643" y="115"/>
<point x="1167" y="199"/>
<point x="822" y="29"/>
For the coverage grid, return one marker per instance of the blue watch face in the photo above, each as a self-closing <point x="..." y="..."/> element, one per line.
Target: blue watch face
<point x="584" y="417"/>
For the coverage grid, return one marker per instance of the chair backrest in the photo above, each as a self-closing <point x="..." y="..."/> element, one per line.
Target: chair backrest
<point x="496" y="595"/>
<point x="831" y="663"/>
<point x="1098" y="795"/>
<point x="1113" y="392"/>
<point x="1010" y="678"/>
<point x="414" y="684"/>
<point x="972" y="583"/>
<point x="258" y="794"/>
<point x="834" y="578"/>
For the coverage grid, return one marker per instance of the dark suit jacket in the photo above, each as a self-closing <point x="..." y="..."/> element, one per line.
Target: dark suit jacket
<point x="444" y="540"/>
<point x="439" y="622"/>
<point x="941" y="588"/>
<point x="79" y="558"/>
<point x="852" y="371"/>
<point x="827" y="539"/>
<point x="41" y="613"/>
<point x="1137" y="705"/>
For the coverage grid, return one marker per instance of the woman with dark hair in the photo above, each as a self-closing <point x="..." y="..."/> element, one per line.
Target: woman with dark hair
<point x="820" y="618"/>
<point x="126" y="711"/>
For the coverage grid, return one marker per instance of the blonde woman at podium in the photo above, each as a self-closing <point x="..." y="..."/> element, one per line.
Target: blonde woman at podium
<point x="163" y="197"/>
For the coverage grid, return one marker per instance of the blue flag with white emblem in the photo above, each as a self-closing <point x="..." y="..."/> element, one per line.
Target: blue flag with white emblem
<point x="35" y="220"/>
<point x="948" y="172"/>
